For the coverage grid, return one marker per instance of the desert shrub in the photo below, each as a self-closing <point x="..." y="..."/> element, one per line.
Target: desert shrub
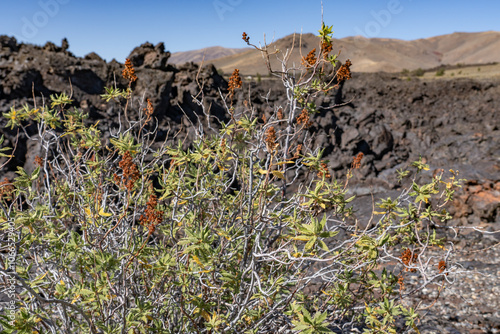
<point x="418" y="72"/>
<point x="244" y="232"/>
<point x="440" y="72"/>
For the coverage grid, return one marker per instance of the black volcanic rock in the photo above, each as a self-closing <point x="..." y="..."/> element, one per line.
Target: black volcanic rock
<point x="451" y="123"/>
<point x="149" y="56"/>
<point x="28" y="71"/>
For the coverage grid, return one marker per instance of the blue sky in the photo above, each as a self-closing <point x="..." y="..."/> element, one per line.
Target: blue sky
<point x="113" y="28"/>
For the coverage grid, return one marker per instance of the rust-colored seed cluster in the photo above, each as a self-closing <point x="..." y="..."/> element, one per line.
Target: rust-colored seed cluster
<point x="152" y="216"/>
<point x="130" y="172"/>
<point x="234" y="82"/>
<point x="323" y="172"/>
<point x="344" y="72"/>
<point x="129" y="71"/>
<point x="310" y="59"/>
<point x="149" y="109"/>
<point x="245" y="37"/>
<point x="223" y="146"/>
<point x="38" y="161"/>
<point x="303" y="118"/>
<point x="401" y="282"/>
<point x="297" y="151"/>
<point x="356" y="163"/>
<point x="326" y="47"/>
<point x="280" y="113"/>
<point x="408" y="258"/>
<point x="442" y="266"/>
<point x="271" y="139"/>
<point x="6" y="189"/>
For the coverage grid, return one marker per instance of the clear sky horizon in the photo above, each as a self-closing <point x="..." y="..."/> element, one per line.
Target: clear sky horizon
<point x="113" y="28"/>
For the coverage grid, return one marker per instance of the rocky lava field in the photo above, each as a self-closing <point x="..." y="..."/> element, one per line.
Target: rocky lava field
<point x="451" y="124"/>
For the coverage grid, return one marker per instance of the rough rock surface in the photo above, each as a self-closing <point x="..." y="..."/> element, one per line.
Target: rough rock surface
<point x="450" y="123"/>
<point x="471" y="304"/>
<point x="28" y="71"/>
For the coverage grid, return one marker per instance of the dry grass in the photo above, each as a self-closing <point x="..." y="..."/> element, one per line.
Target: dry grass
<point x="473" y="72"/>
<point x="380" y="54"/>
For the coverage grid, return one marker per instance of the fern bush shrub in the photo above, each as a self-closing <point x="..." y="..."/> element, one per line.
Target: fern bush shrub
<point x="245" y="232"/>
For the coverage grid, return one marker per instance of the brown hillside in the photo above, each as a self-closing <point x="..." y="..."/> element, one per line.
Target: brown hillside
<point x="380" y="54"/>
<point x="196" y="56"/>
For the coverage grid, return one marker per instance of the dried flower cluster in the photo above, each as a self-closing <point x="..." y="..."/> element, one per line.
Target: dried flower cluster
<point x="130" y="172"/>
<point x="344" y="72"/>
<point x="152" y="216"/>
<point x="323" y="172"/>
<point x="356" y="163"/>
<point x="303" y="118"/>
<point x="6" y="189"/>
<point x="129" y="72"/>
<point x="408" y="258"/>
<point x="297" y="151"/>
<point x="280" y="113"/>
<point x="326" y="48"/>
<point x="310" y="59"/>
<point x="245" y="37"/>
<point x="401" y="282"/>
<point x="223" y="146"/>
<point x="271" y="138"/>
<point x="234" y="82"/>
<point x="442" y="266"/>
<point x="38" y="161"/>
<point x="148" y="111"/>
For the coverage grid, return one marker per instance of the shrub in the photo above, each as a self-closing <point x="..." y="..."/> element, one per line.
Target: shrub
<point x="418" y="72"/>
<point x="440" y="72"/>
<point x="244" y="232"/>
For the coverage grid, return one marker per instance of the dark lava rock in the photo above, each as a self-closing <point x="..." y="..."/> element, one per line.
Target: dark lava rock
<point x="29" y="74"/>
<point x="450" y="123"/>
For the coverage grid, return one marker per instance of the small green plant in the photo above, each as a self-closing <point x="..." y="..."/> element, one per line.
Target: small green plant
<point x="440" y="72"/>
<point x="418" y="72"/>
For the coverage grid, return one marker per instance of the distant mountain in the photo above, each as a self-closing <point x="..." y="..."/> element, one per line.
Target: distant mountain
<point x="207" y="54"/>
<point x="376" y="54"/>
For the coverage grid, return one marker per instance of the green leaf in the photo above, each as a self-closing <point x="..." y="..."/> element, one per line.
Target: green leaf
<point x="323" y="246"/>
<point x="278" y="174"/>
<point x="35" y="174"/>
<point x="310" y="244"/>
